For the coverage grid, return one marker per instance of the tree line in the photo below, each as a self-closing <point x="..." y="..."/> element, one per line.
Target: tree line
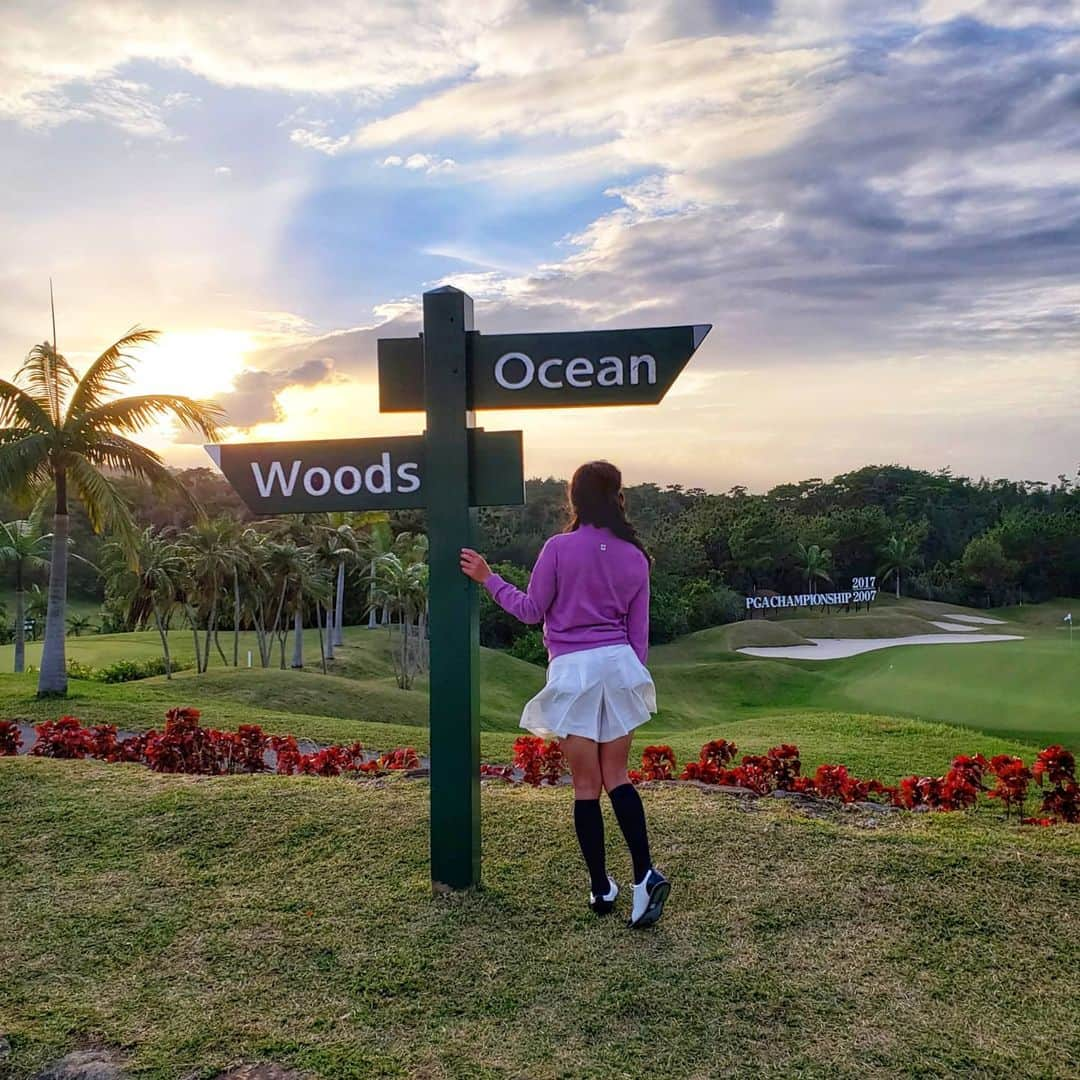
<point x="84" y="505"/>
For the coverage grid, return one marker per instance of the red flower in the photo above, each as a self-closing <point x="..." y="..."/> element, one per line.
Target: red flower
<point x="1063" y="801"/>
<point x="657" y="762"/>
<point x="10" y="738"/>
<point x="1057" y="764"/>
<point x="63" y="738"/>
<point x="1013" y="778"/>
<point x="529" y="757"/>
<point x="718" y="752"/>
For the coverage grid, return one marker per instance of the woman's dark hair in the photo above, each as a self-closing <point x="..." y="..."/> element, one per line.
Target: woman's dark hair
<point x="596" y="499"/>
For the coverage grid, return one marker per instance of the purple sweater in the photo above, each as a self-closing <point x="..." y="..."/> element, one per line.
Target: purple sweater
<point x="589" y="588"/>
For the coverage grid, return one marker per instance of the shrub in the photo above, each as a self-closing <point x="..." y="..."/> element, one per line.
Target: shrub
<point x="120" y="671"/>
<point x="63" y="738"/>
<point x="539" y="761"/>
<point x="657" y="763"/>
<point x="669" y="615"/>
<point x="10" y="738"/>
<point x="530" y="646"/>
<point x="1013" y="778"/>
<point x="1062" y="801"/>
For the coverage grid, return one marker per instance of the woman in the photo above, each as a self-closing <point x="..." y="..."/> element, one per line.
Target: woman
<point x="590" y="587"/>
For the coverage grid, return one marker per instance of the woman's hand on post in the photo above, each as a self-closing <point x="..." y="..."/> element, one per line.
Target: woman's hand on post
<point x="474" y="565"/>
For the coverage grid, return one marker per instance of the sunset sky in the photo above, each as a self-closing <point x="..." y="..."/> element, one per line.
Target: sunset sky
<point x="877" y="205"/>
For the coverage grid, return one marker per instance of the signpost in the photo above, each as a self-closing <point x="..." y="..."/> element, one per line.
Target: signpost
<point x="448" y="372"/>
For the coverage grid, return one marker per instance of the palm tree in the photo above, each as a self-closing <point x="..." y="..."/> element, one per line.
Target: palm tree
<point x="403" y="590"/>
<point x="78" y="623"/>
<point x="378" y="543"/>
<point x="24" y="546"/>
<point x="900" y="555"/>
<point x="284" y="567"/>
<point x="151" y="587"/>
<point x="358" y="547"/>
<point x="60" y="432"/>
<point x="210" y="555"/>
<point x="816" y="562"/>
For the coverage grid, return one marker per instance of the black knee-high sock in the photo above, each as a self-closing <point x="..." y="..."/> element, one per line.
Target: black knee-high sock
<point x="626" y="803"/>
<point x="589" y="823"/>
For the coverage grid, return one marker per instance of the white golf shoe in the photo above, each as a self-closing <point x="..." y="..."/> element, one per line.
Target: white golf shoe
<point x="602" y="905"/>
<point x="649" y="898"/>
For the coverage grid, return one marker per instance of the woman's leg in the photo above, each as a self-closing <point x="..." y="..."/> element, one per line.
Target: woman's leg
<point x="584" y="759"/>
<point x="626" y="803"/>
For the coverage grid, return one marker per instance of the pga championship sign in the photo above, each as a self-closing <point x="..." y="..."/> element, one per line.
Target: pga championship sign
<point x="447" y="372"/>
<point x="863" y="591"/>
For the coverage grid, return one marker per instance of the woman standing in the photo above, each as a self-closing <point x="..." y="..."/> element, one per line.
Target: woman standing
<point x="590" y="588"/>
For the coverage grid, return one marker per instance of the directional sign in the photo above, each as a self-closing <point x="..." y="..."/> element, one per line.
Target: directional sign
<point x="546" y="371"/>
<point x="447" y="372"/>
<point x="364" y="474"/>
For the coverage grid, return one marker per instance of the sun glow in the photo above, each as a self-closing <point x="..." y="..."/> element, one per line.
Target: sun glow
<point x="192" y="363"/>
<point x="195" y="363"/>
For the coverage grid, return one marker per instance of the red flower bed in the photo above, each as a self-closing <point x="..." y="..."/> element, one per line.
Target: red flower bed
<point x="185" y="746"/>
<point x="779" y="769"/>
<point x="1013" y="778"/>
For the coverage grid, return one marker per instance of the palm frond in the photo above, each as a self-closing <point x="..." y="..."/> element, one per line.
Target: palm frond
<point x="104" y="505"/>
<point x="48" y="378"/>
<point x="22" y="410"/>
<point x="24" y="463"/>
<point x="132" y="414"/>
<point x="112" y="451"/>
<point x="109" y="372"/>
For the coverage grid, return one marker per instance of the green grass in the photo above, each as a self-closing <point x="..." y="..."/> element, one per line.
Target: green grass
<point x="197" y="923"/>
<point x="1021" y="693"/>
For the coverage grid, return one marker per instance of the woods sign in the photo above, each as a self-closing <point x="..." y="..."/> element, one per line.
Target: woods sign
<point x="862" y="591"/>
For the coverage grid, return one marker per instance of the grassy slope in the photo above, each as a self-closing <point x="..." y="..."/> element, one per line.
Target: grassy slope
<point x="1020" y="690"/>
<point x="198" y="923"/>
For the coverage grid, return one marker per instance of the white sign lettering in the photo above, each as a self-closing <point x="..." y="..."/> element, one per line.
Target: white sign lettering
<point x="381" y="478"/>
<point x="863" y="591"/>
<point x="517" y="370"/>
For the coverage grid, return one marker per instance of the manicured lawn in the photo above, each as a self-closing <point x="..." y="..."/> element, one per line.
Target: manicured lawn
<point x="197" y="923"/>
<point x="1026" y="689"/>
<point x="1029" y="689"/>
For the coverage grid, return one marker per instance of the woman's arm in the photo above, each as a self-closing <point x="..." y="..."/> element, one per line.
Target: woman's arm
<point x="637" y="622"/>
<point x="529" y="607"/>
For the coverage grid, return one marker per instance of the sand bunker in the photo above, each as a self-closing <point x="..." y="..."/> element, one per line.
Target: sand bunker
<point x="974" y="619"/>
<point x="961" y="628"/>
<point x="840" y="648"/>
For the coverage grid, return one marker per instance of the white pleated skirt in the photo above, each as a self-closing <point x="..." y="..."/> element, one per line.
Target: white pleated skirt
<point x="599" y="694"/>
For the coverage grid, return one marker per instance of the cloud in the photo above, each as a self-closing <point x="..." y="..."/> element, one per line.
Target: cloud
<point x="891" y="191"/>
<point x="315" y="140"/>
<point x="133" y="107"/>
<point x="910" y="193"/>
<point x="253" y="398"/>
<point x="369" y="51"/>
<point x="425" y="162"/>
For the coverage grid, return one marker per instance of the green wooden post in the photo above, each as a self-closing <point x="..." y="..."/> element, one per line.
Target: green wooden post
<point x="454" y="606"/>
